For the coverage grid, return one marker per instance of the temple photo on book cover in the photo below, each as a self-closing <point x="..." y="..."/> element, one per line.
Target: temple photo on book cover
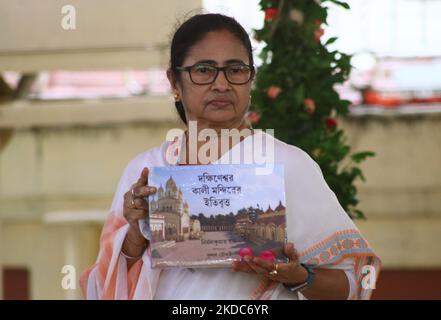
<point x="200" y="218"/>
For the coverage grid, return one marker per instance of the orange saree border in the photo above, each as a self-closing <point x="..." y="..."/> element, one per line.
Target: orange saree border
<point x="113" y="223"/>
<point x="332" y="251"/>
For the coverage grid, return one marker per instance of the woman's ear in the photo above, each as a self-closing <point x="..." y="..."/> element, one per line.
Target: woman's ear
<point x="174" y="85"/>
<point x="172" y="79"/>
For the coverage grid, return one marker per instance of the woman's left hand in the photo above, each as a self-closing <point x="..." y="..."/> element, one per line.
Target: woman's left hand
<point x="291" y="272"/>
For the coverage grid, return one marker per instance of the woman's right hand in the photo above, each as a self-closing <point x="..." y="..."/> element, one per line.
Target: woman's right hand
<point x="135" y="203"/>
<point x="136" y="207"/>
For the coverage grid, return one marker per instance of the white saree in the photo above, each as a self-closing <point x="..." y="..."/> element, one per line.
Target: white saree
<point x="321" y="231"/>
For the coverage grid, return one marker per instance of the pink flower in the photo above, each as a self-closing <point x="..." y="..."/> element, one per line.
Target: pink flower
<point x="317" y="22"/>
<point x="267" y="255"/>
<point x="309" y="105"/>
<point x="318" y="34"/>
<point x="331" y="123"/>
<point x="253" y="117"/>
<point x="270" y="13"/>
<point x="273" y="92"/>
<point x="246" y="252"/>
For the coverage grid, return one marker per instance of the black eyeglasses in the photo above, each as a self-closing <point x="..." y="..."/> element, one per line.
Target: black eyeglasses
<point x="207" y="74"/>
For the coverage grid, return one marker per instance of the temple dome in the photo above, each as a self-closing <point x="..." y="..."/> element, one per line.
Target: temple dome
<point x="280" y="207"/>
<point x="171" y="184"/>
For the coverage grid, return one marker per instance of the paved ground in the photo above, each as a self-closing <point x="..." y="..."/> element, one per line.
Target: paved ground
<point x="192" y="250"/>
<point x="195" y="250"/>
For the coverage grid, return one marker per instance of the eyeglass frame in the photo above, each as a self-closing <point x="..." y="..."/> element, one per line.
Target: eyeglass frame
<point x="218" y="69"/>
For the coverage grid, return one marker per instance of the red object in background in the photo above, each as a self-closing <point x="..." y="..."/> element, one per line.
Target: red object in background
<point x="254" y="117"/>
<point x="374" y="98"/>
<point x="397" y="81"/>
<point x="408" y="285"/>
<point x="246" y="252"/>
<point x="317" y="22"/>
<point x="270" y="13"/>
<point x="425" y="100"/>
<point x="16" y="284"/>
<point x="320" y="31"/>
<point x="267" y="255"/>
<point x="273" y="92"/>
<point x="309" y="105"/>
<point x="331" y="123"/>
<point x="318" y="34"/>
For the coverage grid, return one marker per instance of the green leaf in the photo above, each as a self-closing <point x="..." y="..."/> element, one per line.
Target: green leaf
<point x="341" y="4"/>
<point x="356" y="172"/>
<point x="330" y="41"/>
<point x="359" y="214"/>
<point x="361" y="156"/>
<point x="300" y="94"/>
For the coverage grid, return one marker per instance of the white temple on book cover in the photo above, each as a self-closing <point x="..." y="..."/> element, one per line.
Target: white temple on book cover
<point x="170" y="210"/>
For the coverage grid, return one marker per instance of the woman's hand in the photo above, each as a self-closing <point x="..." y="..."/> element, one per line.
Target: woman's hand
<point x="291" y="272"/>
<point x="135" y="204"/>
<point x="136" y="207"/>
<point x="328" y="283"/>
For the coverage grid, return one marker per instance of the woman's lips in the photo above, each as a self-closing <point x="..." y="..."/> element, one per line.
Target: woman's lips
<point x="220" y="103"/>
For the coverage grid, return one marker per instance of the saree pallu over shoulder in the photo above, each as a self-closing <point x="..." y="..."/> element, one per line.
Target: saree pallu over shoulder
<point x="332" y="251"/>
<point x="109" y="278"/>
<point x="342" y="245"/>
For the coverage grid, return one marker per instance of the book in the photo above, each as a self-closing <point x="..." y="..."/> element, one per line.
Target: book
<point x="210" y="215"/>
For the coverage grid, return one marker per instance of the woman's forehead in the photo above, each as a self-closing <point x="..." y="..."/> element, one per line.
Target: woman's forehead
<point x="219" y="47"/>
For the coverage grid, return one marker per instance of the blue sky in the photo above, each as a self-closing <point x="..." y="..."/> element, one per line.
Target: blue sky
<point x="256" y="189"/>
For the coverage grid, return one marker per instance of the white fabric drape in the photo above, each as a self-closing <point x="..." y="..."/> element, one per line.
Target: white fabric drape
<point x="321" y="231"/>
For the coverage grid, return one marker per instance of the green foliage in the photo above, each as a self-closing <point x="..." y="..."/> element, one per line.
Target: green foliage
<point x="297" y="62"/>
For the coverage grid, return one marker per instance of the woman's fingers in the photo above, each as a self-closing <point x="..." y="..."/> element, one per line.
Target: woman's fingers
<point x="143" y="179"/>
<point x="290" y="251"/>
<point x="140" y="189"/>
<point x="144" y="191"/>
<point x="136" y="214"/>
<point x="141" y="204"/>
<point x="252" y="263"/>
<point x="286" y="272"/>
<point x="139" y="197"/>
<point x="241" y="266"/>
<point x="264" y="264"/>
<point x="135" y="203"/>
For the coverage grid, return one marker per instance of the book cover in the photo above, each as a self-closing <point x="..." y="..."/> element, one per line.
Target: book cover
<point x="208" y="216"/>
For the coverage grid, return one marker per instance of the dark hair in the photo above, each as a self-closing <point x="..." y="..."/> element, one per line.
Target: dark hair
<point x="192" y="31"/>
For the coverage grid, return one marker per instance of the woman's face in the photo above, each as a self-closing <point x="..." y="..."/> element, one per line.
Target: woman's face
<point x="220" y="104"/>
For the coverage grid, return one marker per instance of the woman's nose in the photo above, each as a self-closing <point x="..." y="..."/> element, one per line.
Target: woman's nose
<point x="221" y="83"/>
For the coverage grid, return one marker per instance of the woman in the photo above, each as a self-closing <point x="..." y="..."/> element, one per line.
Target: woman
<point x="211" y="71"/>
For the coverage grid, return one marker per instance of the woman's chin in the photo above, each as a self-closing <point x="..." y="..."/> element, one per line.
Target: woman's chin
<point x="223" y="118"/>
<point x="221" y="115"/>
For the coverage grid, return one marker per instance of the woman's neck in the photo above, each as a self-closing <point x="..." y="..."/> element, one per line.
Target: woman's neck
<point x="221" y="139"/>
